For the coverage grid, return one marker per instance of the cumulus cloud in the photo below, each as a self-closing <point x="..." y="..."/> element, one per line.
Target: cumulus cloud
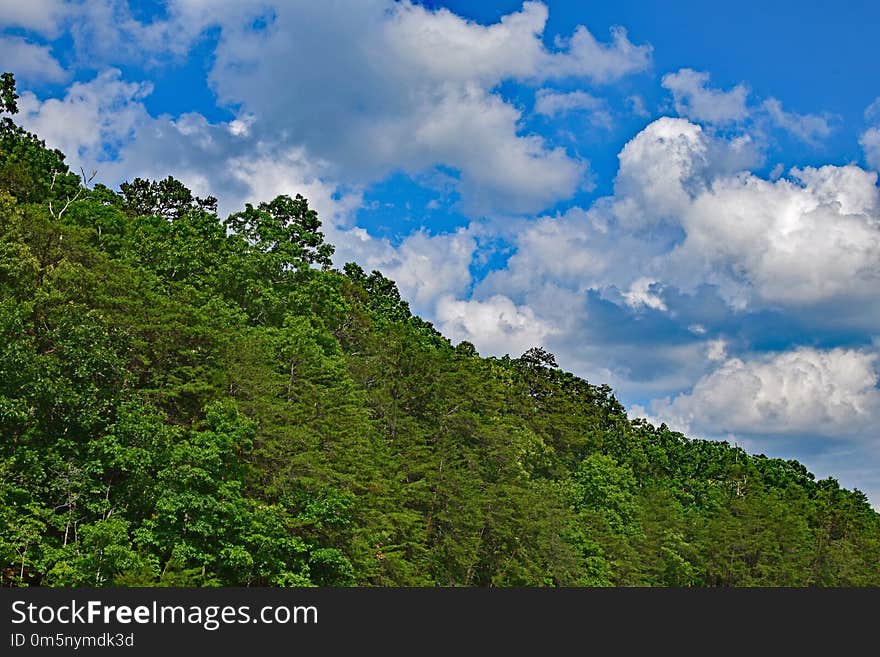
<point x="696" y="100"/>
<point x="805" y="391"/>
<point x="500" y="170"/>
<point x="684" y="214"/>
<point x="665" y="165"/>
<point x="496" y="324"/>
<point x="400" y="87"/>
<point x="390" y="86"/>
<point x="29" y="60"/>
<point x="689" y="247"/>
<point x="812" y="238"/>
<point x="659" y="169"/>
<point x="427" y="267"/>
<point x="445" y="46"/>
<point x="93" y="119"/>
<point x="574" y="250"/>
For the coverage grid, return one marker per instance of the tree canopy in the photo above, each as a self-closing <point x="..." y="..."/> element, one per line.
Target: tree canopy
<point x="187" y="400"/>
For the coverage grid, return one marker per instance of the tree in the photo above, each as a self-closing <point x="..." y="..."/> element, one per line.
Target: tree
<point x="538" y="357"/>
<point x="195" y="402"/>
<point x="8" y="96"/>
<point x="168" y="198"/>
<point x="29" y="171"/>
<point x="285" y="231"/>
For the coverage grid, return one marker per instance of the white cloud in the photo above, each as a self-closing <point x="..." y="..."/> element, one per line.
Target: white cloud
<point x="696" y="100"/>
<point x="92" y="119"/>
<point x="659" y="168"/>
<point x="716" y="350"/>
<point x="102" y="124"/>
<point x="390" y="86"/>
<point x="500" y="171"/>
<point x="395" y="86"/>
<point x="268" y="173"/>
<point x="29" y="60"/>
<point x="495" y="325"/>
<point x="636" y="105"/>
<point x="802" y="241"/>
<point x="870" y="141"/>
<point x="806" y="391"/>
<point x="41" y="16"/>
<point x="445" y="46"/>
<point x="107" y="32"/>
<point x="553" y="104"/>
<point x="813" y="237"/>
<point x="669" y="162"/>
<point x="574" y="250"/>
<point x="683" y="215"/>
<point x="872" y="111"/>
<point x="601" y="62"/>
<point x="809" y="128"/>
<point x="688" y="240"/>
<point x="427" y="267"/>
<point x="641" y="293"/>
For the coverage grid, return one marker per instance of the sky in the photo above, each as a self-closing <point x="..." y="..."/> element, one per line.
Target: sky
<point x="677" y="200"/>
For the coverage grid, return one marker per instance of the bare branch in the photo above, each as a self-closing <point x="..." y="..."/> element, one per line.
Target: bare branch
<point x="84" y="185"/>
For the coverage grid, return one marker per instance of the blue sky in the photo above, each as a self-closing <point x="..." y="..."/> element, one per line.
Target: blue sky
<point x="679" y="201"/>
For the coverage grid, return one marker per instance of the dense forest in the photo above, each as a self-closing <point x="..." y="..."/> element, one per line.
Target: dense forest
<point x="190" y="400"/>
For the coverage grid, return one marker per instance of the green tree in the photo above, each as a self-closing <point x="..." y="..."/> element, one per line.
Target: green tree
<point x="285" y="231"/>
<point x="8" y="96"/>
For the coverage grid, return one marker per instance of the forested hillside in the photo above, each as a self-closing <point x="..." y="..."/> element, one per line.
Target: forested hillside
<point x="193" y="400"/>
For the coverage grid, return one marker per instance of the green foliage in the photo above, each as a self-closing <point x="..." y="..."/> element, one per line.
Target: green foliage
<point x="187" y="401"/>
<point x="8" y="97"/>
<point x="285" y="232"/>
<point x="169" y="199"/>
